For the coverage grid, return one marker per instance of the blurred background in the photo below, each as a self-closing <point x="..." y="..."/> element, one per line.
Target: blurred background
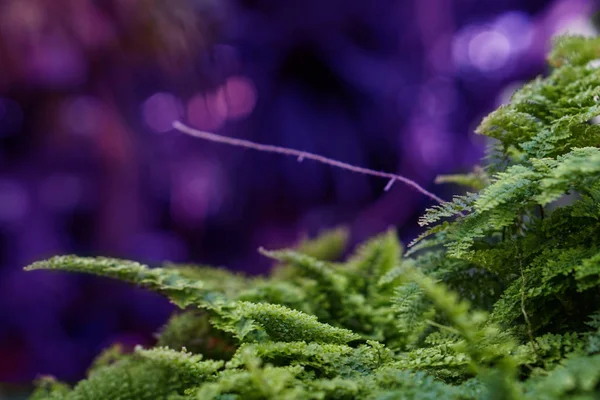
<point x="89" y="163"/>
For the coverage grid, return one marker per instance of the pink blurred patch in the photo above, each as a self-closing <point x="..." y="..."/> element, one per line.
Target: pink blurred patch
<point x="240" y="94"/>
<point x="207" y="111"/>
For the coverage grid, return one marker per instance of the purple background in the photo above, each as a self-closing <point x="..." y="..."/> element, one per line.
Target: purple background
<point x="89" y="164"/>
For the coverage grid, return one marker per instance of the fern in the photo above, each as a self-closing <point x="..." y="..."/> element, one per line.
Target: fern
<point x="146" y="374"/>
<point x="181" y="290"/>
<point x="476" y="180"/>
<point x="497" y="299"/>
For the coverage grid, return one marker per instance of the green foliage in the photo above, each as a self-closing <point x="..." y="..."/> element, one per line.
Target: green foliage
<point x="145" y="374"/>
<point x="578" y="378"/>
<point x="183" y="291"/>
<point x="193" y="331"/>
<point x="329" y="246"/>
<point x="50" y="389"/>
<point x="476" y="180"/>
<point x="497" y="299"/>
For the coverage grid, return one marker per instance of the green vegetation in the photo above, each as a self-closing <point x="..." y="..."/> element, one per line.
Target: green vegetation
<point x="498" y="299"/>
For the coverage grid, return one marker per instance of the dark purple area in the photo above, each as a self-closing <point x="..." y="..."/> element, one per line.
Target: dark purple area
<point x="90" y="166"/>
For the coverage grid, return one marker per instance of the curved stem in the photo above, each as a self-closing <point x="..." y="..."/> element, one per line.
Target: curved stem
<point x="301" y="155"/>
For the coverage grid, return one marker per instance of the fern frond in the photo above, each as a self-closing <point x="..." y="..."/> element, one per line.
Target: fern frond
<point x="458" y="205"/>
<point x="577" y="379"/>
<point x="327" y="246"/>
<point x="514" y="186"/>
<point x="574" y="50"/>
<point x="193" y="331"/>
<point x="182" y="291"/>
<point x="476" y="180"/>
<point x="259" y="322"/>
<point x="580" y="168"/>
<point x="147" y="374"/>
<point x="48" y="388"/>
<point x="326" y="360"/>
<point x="374" y="259"/>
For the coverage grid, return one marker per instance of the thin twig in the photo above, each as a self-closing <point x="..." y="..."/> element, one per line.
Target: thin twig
<point x="301" y="155"/>
<point x="390" y="184"/>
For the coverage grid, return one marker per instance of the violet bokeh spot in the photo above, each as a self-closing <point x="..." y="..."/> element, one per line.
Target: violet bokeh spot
<point x="489" y="50"/>
<point x="431" y="146"/>
<point x="492" y="48"/>
<point x="198" y="191"/>
<point x="160" y="110"/>
<point x="517" y="28"/>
